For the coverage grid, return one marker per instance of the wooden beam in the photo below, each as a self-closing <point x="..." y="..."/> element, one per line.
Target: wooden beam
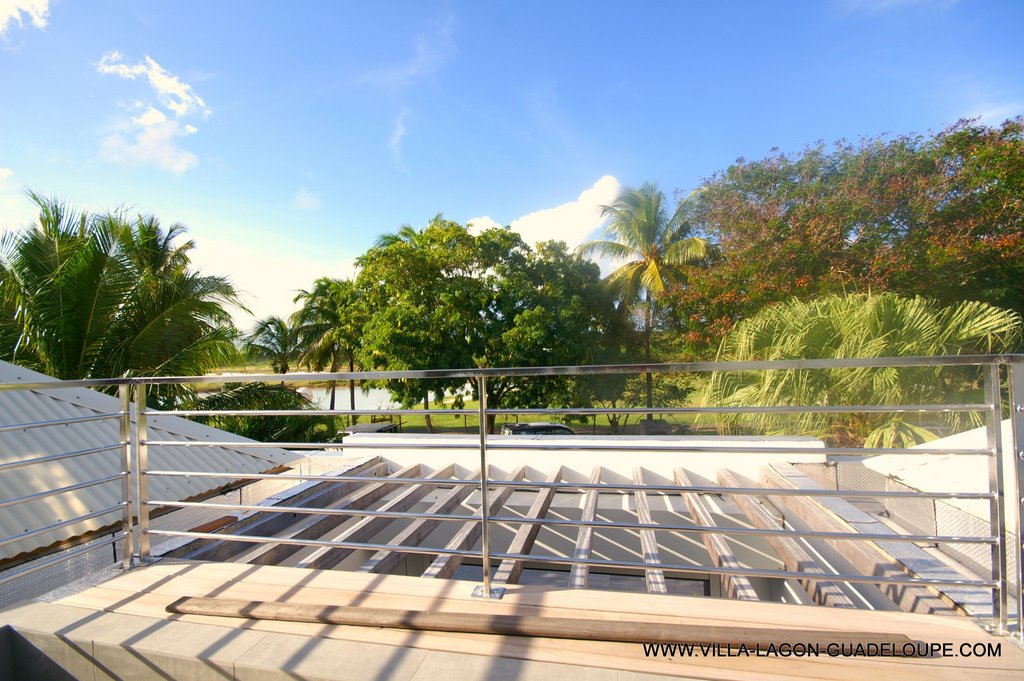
<point x="510" y="570"/>
<point x="734" y="586"/>
<point x="826" y="514"/>
<point x="418" y="531"/>
<point x="655" y="579"/>
<point x="794" y="557"/>
<point x="366" y="529"/>
<point x="592" y="629"/>
<point x="313" y="526"/>
<point x="579" y="575"/>
<point x="444" y="567"/>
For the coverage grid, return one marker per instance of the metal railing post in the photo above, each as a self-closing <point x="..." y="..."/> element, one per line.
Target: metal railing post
<point x="997" y="506"/>
<point x="141" y="470"/>
<point x="1016" y="380"/>
<point x="127" y="481"/>
<point x="485" y="591"/>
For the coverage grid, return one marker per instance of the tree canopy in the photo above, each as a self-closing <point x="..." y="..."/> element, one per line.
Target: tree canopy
<point x="850" y="326"/>
<point x="454" y="299"/>
<point x="940" y="216"/>
<point x="105" y="295"/>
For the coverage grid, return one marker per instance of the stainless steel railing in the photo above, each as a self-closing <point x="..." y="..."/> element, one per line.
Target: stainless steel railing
<point x="1003" y="374"/>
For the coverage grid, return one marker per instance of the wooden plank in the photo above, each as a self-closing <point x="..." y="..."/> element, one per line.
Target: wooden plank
<point x="444" y="567"/>
<point x="793" y="555"/>
<point x="262" y="524"/>
<point x="655" y="579"/>
<point x="734" y="586"/>
<point x="754" y="639"/>
<point x="579" y="575"/>
<point x="510" y="570"/>
<point x="313" y="526"/>
<point x="866" y="557"/>
<point x="366" y="529"/>
<point x="418" y="531"/>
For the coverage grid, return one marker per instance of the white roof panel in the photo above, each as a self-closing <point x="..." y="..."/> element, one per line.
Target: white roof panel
<point x="29" y="406"/>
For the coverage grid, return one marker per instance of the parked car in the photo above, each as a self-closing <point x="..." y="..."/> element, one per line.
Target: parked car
<point x="538" y="428"/>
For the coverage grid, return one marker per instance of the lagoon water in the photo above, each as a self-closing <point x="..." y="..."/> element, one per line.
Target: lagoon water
<point x="375" y="398"/>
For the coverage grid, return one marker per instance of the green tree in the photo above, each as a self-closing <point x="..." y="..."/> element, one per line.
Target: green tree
<point x="453" y="299"/>
<point x="940" y="216"/>
<point x="330" y="323"/>
<point x="851" y="326"/>
<point x="275" y="339"/>
<point x="101" y="295"/>
<point x="655" y="246"/>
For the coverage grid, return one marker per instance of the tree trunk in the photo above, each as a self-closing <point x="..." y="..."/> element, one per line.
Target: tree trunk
<point x="426" y="417"/>
<point x="648" y="323"/>
<point x="351" y="391"/>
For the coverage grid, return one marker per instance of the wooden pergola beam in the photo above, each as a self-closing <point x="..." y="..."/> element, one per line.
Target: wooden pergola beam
<point x="868" y="558"/>
<point x="366" y="529"/>
<point x="579" y="575"/>
<point x="794" y="557"/>
<point x="510" y="570"/>
<point x="418" y="530"/>
<point x="313" y="526"/>
<point x="737" y="587"/>
<point x="445" y="566"/>
<point x="654" y="578"/>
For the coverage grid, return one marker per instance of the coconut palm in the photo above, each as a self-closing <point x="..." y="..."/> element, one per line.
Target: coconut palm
<point x="329" y="323"/>
<point x="406" y="234"/>
<point x="96" y="296"/>
<point x="654" y="246"/>
<point x="850" y="326"/>
<point x="277" y="340"/>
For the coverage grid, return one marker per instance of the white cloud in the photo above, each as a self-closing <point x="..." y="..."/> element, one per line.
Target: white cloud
<point x="398" y="134"/>
<point x="994" y="114"/>
<point x="153" y="138"/>
<point x="477" y="225"/>
<point x="11" y="11"/>
<point x="173" y="94"/>
<point x="16" y="210"/>
<point x="570" y="222"/>
<point x="432" y="50"/>
<point x="306" y="200"/>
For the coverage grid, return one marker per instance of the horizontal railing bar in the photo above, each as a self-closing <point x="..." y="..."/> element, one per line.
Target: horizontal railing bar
<point x="60" y="490"/>
<point x="66" y="385"/>
<point x="513" y="520"/>
<point x="663" y="446"/>
<point x="318" y="543"/>
<point x="58" y="457"/>
<point x="63" y="523"/>
<point x="678" y="367"/>
<point x="749" y="572"/>
<point x="576" y="486"/>
<point x="57" y="422"/>
<point x="90" y="545"/>
<point x="582" y="411"/>
<point x="594" y="562"/>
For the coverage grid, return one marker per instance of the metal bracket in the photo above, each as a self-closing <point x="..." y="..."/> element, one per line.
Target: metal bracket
<point x="480" y="591"/>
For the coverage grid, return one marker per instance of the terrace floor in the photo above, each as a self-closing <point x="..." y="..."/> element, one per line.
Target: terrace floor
<point x="120" y="629"/>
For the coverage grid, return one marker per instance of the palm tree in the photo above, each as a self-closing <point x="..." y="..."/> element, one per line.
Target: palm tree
<point x="406" y="234"/>
<point x="97" y="296"/>
<point x="329" y="324"/>
<point x="849" y="326"/>
<point x="277" y="340"/>
<point x="654" y="246"/>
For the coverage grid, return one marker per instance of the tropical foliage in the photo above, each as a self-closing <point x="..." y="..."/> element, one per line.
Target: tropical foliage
<point x="104" y="295"/>
<point x="452" y="299"/>
<point x="276" y="340"/>
<point x="851" y="326"/>
<point x="329" y="327"/>
<point x="939" y="216"/>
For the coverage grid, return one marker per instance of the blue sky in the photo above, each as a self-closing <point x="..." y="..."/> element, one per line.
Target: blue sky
<point x="287" y="136"/>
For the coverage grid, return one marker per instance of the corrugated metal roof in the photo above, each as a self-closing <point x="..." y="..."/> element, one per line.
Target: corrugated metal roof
<point x="29" y="406"/>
